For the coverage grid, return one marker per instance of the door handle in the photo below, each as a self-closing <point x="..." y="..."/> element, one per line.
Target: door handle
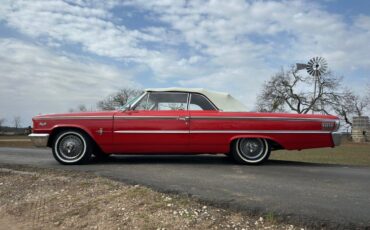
<point x="183" y="118"/>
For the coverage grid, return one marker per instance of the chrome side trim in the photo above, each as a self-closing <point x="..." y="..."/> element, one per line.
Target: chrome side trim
<point x="74" y="118"/>
<point x="224" y="131"/>
<point x="226" y="118"/>
<point x="128" y="117"/>
<point x="175" y="117"/>
<point x="259" y="131"/>
<point x="261" y="118"/>
<point x="151" y="131"/>
<point x="39" y="139"/>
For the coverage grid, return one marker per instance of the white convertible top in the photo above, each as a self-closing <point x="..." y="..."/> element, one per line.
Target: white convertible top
<point x="223" y="101"/>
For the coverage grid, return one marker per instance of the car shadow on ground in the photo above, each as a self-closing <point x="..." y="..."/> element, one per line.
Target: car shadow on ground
<point x="194" y="159"/>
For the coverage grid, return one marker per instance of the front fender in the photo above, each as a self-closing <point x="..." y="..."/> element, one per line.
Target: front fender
<point x="76" y="126"/>
<point x="54" y="129"/>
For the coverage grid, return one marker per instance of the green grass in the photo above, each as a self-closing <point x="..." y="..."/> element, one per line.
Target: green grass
<point x="2" y="137"/>
<point x="346" y="154"/>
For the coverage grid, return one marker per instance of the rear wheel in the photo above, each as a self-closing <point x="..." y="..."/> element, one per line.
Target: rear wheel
<point x="72" y="147"/>
<point x="251" y="150"/>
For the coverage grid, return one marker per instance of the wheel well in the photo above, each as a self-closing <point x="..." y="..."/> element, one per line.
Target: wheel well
<point x="273" y="144"/>
<point x="56" y="131"/>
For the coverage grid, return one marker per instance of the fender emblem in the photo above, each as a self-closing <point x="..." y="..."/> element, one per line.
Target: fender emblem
<point x="100" y="131"/>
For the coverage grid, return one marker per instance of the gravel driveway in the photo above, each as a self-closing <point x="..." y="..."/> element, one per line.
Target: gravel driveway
<point x="314" y="194"/>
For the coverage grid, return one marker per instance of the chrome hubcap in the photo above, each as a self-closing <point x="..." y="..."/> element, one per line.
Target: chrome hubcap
<point x="70" y="147"/>
<point x="251" y="148"/>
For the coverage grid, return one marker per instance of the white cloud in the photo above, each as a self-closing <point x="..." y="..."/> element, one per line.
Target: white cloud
<point x="245" y="42"/>
<point x="35" y="80"/>
<point x="85" y="25"/>
<point x="230" y="45"/>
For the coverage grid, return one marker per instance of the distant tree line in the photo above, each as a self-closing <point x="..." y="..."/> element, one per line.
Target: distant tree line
<point x="112" y="101"/>
<point x="14" y="126"/>
<point x="119" y="98"/>
<point x="16" y="122"/>
<point x="80" y="108"/>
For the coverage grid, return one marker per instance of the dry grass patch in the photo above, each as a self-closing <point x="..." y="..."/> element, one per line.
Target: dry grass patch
<point x="16" y="141"/>
<point x="45" y="199"/>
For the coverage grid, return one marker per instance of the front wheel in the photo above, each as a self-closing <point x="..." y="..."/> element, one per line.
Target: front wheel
<point x="72" y="147"/>
<point x="251" y="150"/>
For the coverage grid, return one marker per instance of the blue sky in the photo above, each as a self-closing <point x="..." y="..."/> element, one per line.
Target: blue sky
<point x="55" y="55"/>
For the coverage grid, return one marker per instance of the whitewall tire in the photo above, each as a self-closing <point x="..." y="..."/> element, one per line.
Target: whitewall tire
<point x="251" y="150"/>
<point x="72" y="147"/>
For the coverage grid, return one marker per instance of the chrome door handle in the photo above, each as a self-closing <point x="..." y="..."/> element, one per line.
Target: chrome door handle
<point x="183" y="118"/>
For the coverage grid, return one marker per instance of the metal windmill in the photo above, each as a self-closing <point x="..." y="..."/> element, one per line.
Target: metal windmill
<point x="315" y="67"/>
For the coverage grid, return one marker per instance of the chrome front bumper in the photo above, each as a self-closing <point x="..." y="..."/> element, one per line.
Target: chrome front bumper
<point x="39" y="139"/>
<point x="337" y="137"/>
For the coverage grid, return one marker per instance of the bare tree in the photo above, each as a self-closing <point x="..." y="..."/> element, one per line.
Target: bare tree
<point x="17" y="121"/>
<point x="289" y="90"/>
<point x="119" y="98"/>
<point x="348" y="104"/>
<point x="367" y="97"/>
<point x="82" y="108"/>
<point x="2" y="121"/>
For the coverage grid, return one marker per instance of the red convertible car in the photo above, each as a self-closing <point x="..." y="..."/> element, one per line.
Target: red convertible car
<point x="181" y="121"/>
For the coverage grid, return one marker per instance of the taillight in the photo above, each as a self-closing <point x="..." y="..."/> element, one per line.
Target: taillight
<point x="330" y="125"/>
<point x="337" y="125"/>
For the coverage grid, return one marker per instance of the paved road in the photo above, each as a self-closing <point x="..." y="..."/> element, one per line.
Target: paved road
<point x="301" y="192"/>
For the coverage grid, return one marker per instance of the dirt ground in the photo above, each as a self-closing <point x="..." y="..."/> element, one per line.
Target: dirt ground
<point x="33" y="198"/>
<point x="17" y="141"/>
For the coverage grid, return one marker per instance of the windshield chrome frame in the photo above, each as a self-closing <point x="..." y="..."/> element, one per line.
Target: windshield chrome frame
<point x="132" y="104"/>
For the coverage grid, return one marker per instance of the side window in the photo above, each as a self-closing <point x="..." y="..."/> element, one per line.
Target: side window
<point x="168" y="101"/>
<point x="163" y="101"/>
<point x="199" y="102"/>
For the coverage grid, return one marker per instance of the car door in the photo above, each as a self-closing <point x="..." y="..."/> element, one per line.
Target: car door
<point x="205" y="135"/>
<point x="158" y="123"/>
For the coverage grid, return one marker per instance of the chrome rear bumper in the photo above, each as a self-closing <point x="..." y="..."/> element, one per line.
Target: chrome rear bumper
<point x="337" y="137"/>
<point x="39" y="139"/>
